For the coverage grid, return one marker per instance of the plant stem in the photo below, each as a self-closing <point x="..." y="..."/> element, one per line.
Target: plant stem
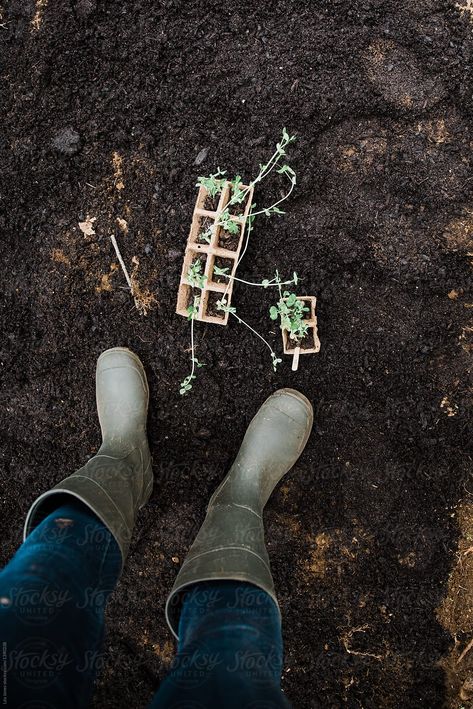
<point x="192" y="345"/>
<point x="260" y="177"/>
<point x="254" y="331"/>
<point x="263" y="211"/>
<point x="270" y="165"/>
<point x="260" y="285"/>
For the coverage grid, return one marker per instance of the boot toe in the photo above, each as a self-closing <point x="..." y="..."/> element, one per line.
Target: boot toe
<point x="119" y="357"/>
<point x="294" y="405"/>
<point x="122" y="394"/>
<point x="122" y="358"/>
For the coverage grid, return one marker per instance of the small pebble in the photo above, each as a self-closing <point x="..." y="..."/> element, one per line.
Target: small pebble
<point x="201" y="156"/>
<point x="84" y="8"/>
<point x="66" y="141"/>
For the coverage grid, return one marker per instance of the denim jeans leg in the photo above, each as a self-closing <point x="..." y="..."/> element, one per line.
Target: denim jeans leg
<point x="52" y="601"/>
<point x="230" y="652"/>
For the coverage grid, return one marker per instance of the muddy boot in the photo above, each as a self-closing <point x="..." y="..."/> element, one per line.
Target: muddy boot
<point x="117" y="481"/>
<point x="230" y="544"/>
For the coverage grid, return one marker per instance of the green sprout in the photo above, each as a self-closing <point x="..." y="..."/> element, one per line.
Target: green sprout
<point x="213" y="183"/>
<point x="290" y="309"/>
<point x="206" y="235"/>
<point x="229" y="224"/>
<point x="195" y="276"/>
<point x="238" y="194"/>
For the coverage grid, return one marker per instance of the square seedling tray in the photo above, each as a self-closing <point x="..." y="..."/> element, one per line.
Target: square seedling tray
<point x="223" y="250"/>
<point x="311" y="342"/>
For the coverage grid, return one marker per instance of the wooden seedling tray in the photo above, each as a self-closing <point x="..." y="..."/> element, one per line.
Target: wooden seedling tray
<point x="290" y="348"/>
<point x="209" y="253"/>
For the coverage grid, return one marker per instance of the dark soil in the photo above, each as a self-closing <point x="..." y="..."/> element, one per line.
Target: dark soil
<point x="211" y="203"/>
<point x="227" y="240"/>
<point x="211" y="308"/>
<point x="222" y="263"/>
<point x="205" y="224"/>
<point x="105" y="108"/>
<point x="307" y="341"/>
<point x="191" y="294"/>
<point x="238" y="208"/>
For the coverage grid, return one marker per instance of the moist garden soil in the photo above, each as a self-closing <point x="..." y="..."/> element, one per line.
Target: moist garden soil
<point x="225" y="264"/>
<point x="227" y="240"/>
<point x="211" y="203"/>
<point x="205" y="224"/>
<point x="107" y="106"/>
<point x="212" y="308"/>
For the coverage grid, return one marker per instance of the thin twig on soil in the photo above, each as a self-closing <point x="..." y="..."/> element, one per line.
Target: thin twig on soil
<point x="465" y="651"/>
<point x="122" y="264"/>
<point x="142" y="300"/>
<point x="346" y="637"/>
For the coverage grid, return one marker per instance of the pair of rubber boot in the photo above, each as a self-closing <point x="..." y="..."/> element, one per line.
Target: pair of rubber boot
<point x="118" y="481"/>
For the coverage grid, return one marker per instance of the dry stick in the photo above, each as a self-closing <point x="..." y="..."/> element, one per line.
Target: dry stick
<point x="347" y="636"/>
<point x="467" y="649"/>
<point x="124" y="269"/>
<point x="122" y="264"/>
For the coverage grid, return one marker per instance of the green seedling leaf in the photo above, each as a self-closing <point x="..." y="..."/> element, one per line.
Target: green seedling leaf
<point x="222" y="305"/>
<point x="212" y="184"/>
<point x="290" y="309"/>
<point x="206" y="236"/>
<point x="195" y="276"/>
<point x="186" y="385"/>
<point x="238" y="195"/>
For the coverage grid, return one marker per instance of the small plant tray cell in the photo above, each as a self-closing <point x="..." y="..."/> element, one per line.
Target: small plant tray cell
<point x="310" y="344"/>
<point x="206" y="243"/>
<point x="206" y="203"/>
<point x="227" y="240"/>
<point x="196" y="262"/>
<point x="210" y="306"/>
<point x="225" y="264"/>
<point x="202" y="230"/>
<point x="236" y="209"/>
<point x="211" y="203"/>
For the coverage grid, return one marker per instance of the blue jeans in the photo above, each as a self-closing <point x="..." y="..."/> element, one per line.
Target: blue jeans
<point x="230" y="652"/>
<point x="53" y="595"/>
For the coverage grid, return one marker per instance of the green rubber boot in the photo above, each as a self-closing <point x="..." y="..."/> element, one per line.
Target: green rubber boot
<point x="230" y="544"/>
<point x="117" y="481"/>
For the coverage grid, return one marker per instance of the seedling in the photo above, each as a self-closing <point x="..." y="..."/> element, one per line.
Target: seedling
<point x="223" y="243"/>
<point x="213" y="184"/>
<point x="228" y="224"/>
<point x="291" y="310"/>
<point x="298" y="322"/>
<point x="195" y="276"/>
